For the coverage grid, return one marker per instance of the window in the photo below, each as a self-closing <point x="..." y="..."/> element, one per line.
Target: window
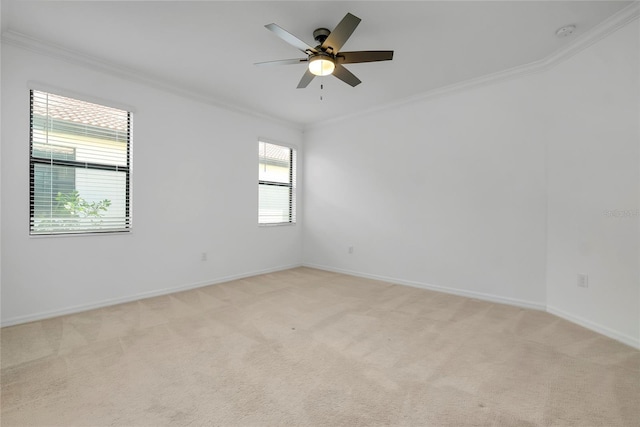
<point x="276" y="184"/>
<point x="80" y="164"/>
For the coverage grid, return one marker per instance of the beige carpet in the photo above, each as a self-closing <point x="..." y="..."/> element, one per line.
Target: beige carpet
<point x="311" y="348"/>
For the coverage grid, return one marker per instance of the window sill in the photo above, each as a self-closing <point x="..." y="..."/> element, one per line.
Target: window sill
<point x="63" y="235"/>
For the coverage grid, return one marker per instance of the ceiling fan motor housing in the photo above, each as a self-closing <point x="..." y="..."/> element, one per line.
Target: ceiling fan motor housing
<point x="321" y="34"/>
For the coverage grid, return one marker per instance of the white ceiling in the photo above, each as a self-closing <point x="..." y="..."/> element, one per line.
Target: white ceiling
<point x="209" y="47"/>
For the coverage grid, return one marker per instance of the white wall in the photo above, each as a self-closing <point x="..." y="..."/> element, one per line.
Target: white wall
<point x="594" y="178"/>
<point x="448" y="192"/>
<point x="459" y="191"/>
<point x="194" y="188"/>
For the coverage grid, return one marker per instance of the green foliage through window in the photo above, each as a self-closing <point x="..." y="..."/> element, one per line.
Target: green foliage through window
<point x="75" y="206"/>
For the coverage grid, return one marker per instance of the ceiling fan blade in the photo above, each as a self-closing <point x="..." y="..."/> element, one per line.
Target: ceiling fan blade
<point x="283" y="62"/>
<point x="290" y="38"/>
<point x="364" y="56"/>
<point x="346" y="76"/>
<point x="341" y="33"/>
<point x="306" y="79"/>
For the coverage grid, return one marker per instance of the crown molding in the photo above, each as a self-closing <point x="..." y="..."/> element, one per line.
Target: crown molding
<point x="587" y="39"/>
<point x="595" y="34"/>
<point x="32" y="44"/>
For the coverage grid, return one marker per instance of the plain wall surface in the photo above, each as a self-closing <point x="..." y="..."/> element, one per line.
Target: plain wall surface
<point x="194" y="189"/>
<point x="499" y="191"/>
<point x="447" y="192"/>
<point x="594" y="178"/>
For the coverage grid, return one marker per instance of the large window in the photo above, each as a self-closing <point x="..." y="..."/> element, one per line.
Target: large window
<point x="80" y="166"/>
<point x="276" y="184"/>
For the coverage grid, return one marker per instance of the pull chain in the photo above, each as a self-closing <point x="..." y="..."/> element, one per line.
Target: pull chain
<point x="321" y="88"/>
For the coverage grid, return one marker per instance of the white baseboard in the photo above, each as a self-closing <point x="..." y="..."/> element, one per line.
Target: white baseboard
<point x="626" y="339"/>
<point x="623" y="338"/>
<point x="462" y="292"/>
<point x="113" y="301"/>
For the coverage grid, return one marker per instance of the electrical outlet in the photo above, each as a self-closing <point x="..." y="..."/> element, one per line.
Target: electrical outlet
<point x="203" y="256"/>
<point x="583" y="280"/>
<point x="350" y="250"/>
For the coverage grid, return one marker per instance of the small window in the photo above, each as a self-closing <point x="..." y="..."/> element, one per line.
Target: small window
<point x="276" y="184"/>
<point x="80" y="166"/>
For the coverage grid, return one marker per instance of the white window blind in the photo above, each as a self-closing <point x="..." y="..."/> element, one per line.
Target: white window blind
<point x="276" y="184"/>
<point x="80" y="166"/>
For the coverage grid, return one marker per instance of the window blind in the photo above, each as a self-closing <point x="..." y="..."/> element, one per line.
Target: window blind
<point x="80" y="158"/>
<point x="276" y="184"/>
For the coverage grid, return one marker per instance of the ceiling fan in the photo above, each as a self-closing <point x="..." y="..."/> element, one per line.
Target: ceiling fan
<point x="326" y="58"/>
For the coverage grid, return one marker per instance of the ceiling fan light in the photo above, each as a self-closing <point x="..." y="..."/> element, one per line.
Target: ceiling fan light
<point x="321" y="65"/>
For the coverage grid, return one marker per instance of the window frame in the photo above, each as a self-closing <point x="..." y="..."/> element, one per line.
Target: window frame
<point x="33" y="161"/>
<point x="292" y="184"/>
